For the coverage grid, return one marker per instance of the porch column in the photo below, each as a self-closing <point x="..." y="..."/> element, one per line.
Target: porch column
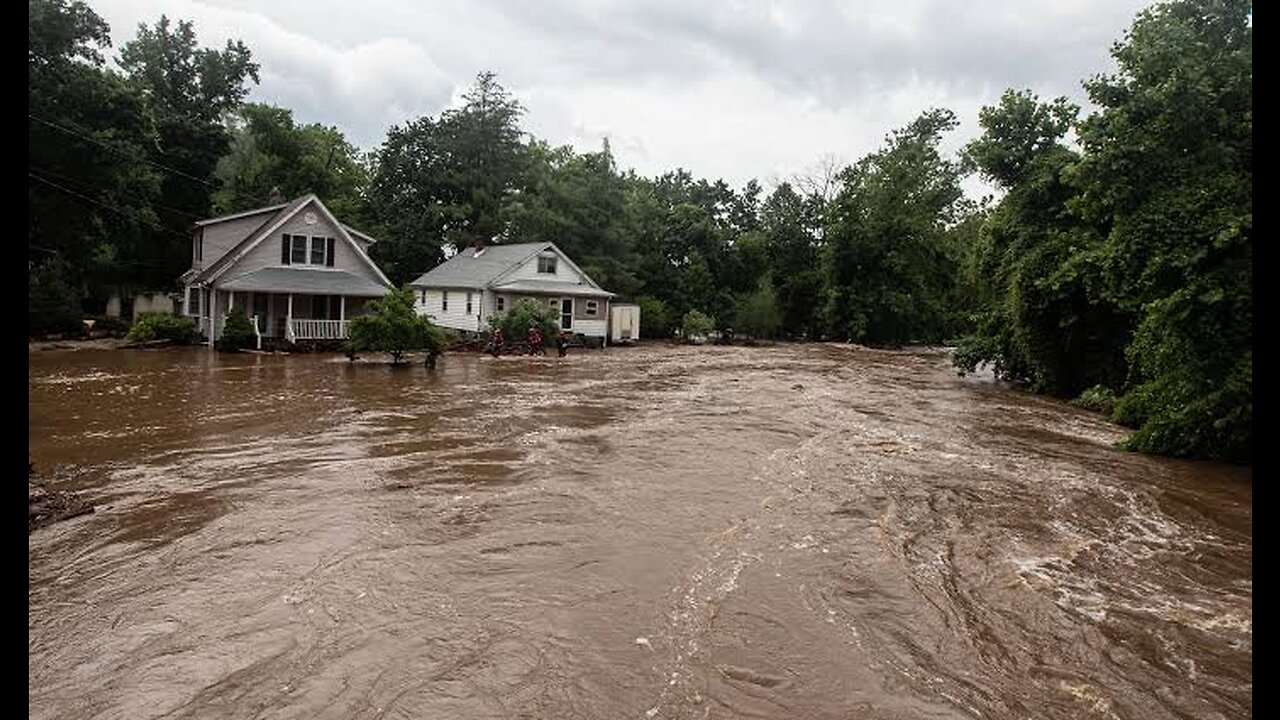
<point x="288" y="320"/>
<point x="213" y="315"/>
<point x="342" y="307"/>
<point x="231" y="300"/>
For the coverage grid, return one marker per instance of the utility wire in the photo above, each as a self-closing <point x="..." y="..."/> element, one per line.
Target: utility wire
<point x="135" y="196"/>
<point x="129" y="216"/>
<point x="104" y="144"/>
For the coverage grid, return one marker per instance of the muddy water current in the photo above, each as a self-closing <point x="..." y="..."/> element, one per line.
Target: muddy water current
<point x="652" y="532"/>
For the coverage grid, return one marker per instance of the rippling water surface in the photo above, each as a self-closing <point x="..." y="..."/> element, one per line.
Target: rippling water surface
<point x="787" y="532"/>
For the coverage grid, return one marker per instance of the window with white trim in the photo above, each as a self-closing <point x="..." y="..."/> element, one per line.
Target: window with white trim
<point x="547" y="264"/>
<point x="554" y="303"/>
<point x="304" y="250"/>
<point x="468" y="303"/>
<point x="444" y="300"/>
<point x="502" y="303"/>
<point x="193" y="301"/>
<point x="592" y="307"/>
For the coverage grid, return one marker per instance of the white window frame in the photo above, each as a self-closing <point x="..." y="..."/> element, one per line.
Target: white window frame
<point x="444" y="301"/>
<point x="553" y="261"/>
<point x="193" y="292"/>
<point x="592" y="306"/>
<point x="501" y="303"/>
<point x="468" y="303"/>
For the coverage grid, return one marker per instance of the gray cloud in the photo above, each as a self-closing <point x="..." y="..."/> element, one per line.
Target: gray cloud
<point x="737" y="89"/>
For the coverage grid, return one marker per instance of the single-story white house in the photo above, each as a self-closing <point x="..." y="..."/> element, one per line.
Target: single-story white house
<point x="296" y="270"/>
<point x="466" y="290"/>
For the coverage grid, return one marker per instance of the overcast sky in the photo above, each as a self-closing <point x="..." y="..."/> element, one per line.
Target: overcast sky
<point x="732" y="89"/>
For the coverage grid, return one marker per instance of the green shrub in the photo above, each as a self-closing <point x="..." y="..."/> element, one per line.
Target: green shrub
<point x="1098" y="398"/>
<point x="394" y="327"/>
<point x="110" y="325"/>
<point x="524" y="314"/>
<point x="237" y="333"/>
<point x="162" y="326"/>
<point x="696" y="324"/>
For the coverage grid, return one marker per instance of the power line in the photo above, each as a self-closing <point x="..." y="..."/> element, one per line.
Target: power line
<point x="135" y="196"/>
<point x="129" y="216"/>
<point x="90" y="138"/>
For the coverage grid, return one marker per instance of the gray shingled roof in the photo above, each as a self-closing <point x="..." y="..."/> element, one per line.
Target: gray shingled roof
<point x="304" y="280"/>
<point x="466" y="271"/>
<point x="551" y="287"/>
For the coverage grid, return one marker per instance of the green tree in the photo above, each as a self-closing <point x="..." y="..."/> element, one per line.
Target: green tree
<point x="52" y="303"/>
<point x="447" y="181"/>
<point x="1045" y="316"/>
<point x="188" y="89"/>
<point x="393" y="326"/>
<point x="1168" y="172"/>
<point x="791" y="243"/>
<point x="90" y="190"/>
<point x="271" y="153"/>
<point x="655" y="320"/>
<point x="757" y="314"/>
<point x="888" y="269"/>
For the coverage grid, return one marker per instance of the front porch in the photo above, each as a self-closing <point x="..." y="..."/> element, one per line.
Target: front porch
<point x="292" y="317"/>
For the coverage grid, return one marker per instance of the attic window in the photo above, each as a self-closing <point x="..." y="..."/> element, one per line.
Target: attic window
<point x="547" y="264"/>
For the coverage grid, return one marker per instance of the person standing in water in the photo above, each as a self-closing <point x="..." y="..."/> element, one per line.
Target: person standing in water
<point x="535" y="341"/>
<point x="562" y="344"/>
<point x="496" y="342"/>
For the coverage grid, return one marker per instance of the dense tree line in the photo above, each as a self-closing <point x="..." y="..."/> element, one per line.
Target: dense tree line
<point x="1117" y="258"/>
<point x="1125" y="265"/>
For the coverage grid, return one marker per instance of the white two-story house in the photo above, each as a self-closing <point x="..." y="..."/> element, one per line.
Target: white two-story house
<point x="297" y="272"/>
<point x="466" y="290"/>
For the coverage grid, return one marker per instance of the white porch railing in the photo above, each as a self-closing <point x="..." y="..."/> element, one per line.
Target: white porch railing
<point x="299" y="329"/>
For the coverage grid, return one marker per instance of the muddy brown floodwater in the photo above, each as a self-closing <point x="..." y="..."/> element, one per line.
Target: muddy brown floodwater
<point x="785" y="532"/>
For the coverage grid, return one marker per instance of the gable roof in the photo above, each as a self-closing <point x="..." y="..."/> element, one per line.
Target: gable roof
<point x="282" y="215"/>
<point x="465" y="270"/>
<point x="356" y="233"/>
<point x="237" y="216"/>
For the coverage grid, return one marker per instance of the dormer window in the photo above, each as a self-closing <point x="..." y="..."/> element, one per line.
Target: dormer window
<point x="547" y="264"/>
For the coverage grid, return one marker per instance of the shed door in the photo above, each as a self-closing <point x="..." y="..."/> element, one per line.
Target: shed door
<point x="566" y="313"/>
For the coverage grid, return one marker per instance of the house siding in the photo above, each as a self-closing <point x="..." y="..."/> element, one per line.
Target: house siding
<point x="221" y="237"/>
<point x="456" y="317"/>
<point x="267" y="253"/>
<point x="529" y="271"/>
<point x="593" y="325"/>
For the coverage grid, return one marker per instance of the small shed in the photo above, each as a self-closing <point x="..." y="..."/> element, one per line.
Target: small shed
<point x="624" y="323"/>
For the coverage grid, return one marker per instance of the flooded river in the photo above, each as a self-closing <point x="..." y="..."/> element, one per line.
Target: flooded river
<point x="790" y="532"/>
